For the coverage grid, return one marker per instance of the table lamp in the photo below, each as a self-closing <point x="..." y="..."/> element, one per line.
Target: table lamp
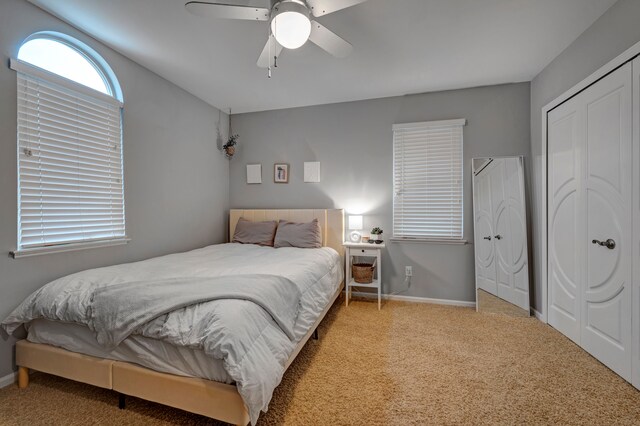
<point x="355" y="225"/>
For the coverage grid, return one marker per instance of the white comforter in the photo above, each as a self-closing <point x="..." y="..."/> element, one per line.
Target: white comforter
<point x="254" y="349"/>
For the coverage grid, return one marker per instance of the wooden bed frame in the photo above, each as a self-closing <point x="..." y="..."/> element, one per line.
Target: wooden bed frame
<point x="206" y="397"/>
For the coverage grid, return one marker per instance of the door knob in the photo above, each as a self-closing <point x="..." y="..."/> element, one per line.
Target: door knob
<point x="486" y="238"/>
<point x="610" y="244"/>
<point x="498" y="237"/>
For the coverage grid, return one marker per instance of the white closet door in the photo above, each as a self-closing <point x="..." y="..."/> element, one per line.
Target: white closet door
<point x="590" y="175"/>
<point x="511" y="234"/>
<point x="502" y="232"/>
<point x="606" y="310"/>
<point x="485" y="252"/>
<point x="565" y="250"/>
<point x="510" y="238"/>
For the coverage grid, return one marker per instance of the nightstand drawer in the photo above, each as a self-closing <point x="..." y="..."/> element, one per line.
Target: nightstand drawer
<point x="364" y="252"/>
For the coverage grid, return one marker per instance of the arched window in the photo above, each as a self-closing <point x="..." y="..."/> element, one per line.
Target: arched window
<point x="67" y="57"/>
<point x="61" y="59"/>
<point x="70" y="171"/>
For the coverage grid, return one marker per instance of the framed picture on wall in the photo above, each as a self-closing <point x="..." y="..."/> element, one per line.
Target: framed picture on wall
<point x="281" y="173"/>
<point x="312" y="171"/>
<point x="254" y="173"/>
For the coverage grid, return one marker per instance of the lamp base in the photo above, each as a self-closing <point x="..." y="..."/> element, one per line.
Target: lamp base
<point x="355" y="237"/>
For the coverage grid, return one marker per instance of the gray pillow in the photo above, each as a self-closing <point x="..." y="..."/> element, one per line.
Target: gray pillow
<point x="301" y="235"/>
<point x="261" y="233"/>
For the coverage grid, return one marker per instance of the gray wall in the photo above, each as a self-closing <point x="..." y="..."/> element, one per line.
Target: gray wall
<point x="353" y="142"/>
<point x="176" y="181"/>
<point x="613" y="33"/>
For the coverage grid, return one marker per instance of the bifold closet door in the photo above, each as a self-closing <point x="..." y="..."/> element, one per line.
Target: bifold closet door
<point x="483" y="227"/>
<point x="590" y="219"/>
<point x="510" y="238"/>
<point x="565" y="245"/>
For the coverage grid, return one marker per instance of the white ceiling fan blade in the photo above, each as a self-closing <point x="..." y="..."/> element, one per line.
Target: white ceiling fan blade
<point x="329" y="41"/>
<point x="227" y="11"/>
<point x="325" y="7"/>
<point x="268" y="53"/>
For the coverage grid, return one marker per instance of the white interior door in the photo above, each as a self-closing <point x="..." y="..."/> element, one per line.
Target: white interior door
<point x="500" y="224"/>
<point x="511" y="234"/>
<point x="564" y="218"/>
<point x="483" y="231"/>
<point x="590" y="178"/>
<point x="510" y="238"/>
<point x="606" y="309"/>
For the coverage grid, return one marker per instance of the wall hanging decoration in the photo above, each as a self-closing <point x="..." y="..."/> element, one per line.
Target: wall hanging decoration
<point x="254" y="173"/>
<point x="230" y="146"/>
<point x="281" y="173"/>
<point x="312" y="171"/>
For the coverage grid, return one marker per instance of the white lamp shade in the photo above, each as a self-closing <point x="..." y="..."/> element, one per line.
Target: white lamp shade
<point x="291" y="29"/>
<point x="355" y="222"/>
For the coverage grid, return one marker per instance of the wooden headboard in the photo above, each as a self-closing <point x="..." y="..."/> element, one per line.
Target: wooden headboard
<point x="331" y="222"/>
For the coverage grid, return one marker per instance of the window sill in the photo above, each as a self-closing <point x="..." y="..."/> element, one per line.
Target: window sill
<point x="38" y="251"/>
<point x="428" y="241"/>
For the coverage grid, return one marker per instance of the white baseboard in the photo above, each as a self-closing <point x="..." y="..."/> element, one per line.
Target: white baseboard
<point x="9" y="379"/>
<point x="414" y="299"/>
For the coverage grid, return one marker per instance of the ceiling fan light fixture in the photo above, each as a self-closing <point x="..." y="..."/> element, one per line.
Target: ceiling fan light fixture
<point x="290" y="24"/>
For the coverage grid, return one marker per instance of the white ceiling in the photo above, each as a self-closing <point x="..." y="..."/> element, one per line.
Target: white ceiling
<point x="400" y="47"/>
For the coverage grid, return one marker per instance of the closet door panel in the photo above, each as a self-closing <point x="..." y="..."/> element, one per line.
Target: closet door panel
<point x="565" y="254"/>
<point x="502" y="231"/>
<point x="606" y="311"/>
<point x="514" y="191"/>
<point x="485" y="253"/>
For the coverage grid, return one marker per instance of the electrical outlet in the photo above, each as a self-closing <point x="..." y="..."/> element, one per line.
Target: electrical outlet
<point x="408" y="271"/>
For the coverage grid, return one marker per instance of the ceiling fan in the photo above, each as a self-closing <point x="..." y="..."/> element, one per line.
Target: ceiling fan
<point x="290" y="24"/>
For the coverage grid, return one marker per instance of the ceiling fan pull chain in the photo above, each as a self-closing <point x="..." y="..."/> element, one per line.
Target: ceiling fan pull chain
<point x="275" y="56"/>
<point x="269" y="43"/>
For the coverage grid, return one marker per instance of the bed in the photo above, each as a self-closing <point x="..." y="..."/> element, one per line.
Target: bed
<point x="228" y="375"/>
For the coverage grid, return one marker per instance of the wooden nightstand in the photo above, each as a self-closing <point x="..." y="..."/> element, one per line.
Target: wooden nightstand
<point x="363" y="250"/>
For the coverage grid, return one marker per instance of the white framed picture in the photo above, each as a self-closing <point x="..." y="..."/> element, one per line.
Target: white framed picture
<point x="281" y="173"/>
<point x="254" y="173"/>
<point x="312" y="171"/>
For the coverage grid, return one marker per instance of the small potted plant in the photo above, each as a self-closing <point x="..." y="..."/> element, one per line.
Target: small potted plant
<point x="230" y="146"/>
<point x="376" y="235"/>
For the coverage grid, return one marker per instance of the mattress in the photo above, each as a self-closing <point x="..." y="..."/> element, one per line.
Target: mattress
<point x="225" y="259"/>
<point x="150" y="353"/>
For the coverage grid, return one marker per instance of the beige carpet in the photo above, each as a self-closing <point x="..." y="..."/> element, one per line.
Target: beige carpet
<point x="409" y="364"/>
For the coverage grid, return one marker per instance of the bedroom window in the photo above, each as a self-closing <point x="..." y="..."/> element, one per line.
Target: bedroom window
<point x="70" y="171"/>
<point x="427" y="181"/>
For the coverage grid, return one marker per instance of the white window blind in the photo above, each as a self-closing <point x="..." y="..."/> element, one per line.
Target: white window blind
<point x="70" y="174"/>
<point x="427" y="173"/>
